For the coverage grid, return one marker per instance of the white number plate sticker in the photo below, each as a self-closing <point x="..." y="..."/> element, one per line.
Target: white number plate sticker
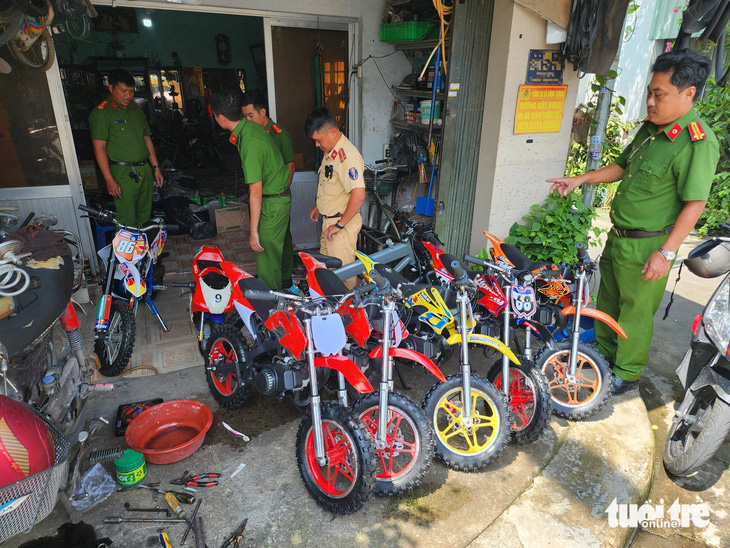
<point x="523" y="301"/>
<point x="329" y="334"/>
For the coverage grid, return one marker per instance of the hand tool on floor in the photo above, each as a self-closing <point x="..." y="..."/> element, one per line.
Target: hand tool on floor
<point x="181" y="497"/>
<point x="154" y="510"/>
<point x="116" y="519"/>
<point x="199" y="534"/>
<point x="197" y="480"/>
<point x="175" y="505"/>
<point x="235" y="539"/>
<point x="190" y="525"/>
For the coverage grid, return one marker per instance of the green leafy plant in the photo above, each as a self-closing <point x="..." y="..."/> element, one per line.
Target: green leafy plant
<point x="551" y="230"/>
<point x="713" y="110"/>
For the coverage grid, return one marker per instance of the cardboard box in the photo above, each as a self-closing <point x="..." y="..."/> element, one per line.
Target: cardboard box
<point x="231" y="218"/>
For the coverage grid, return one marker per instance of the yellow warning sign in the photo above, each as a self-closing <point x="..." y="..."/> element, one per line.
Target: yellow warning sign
<point x="540" y="109"/>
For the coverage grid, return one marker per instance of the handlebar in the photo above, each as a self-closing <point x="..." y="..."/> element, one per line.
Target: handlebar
<point x="581" y="251"/>
<point x="188" y="285"/>
<point x="459" y="273"/>
<point x="110" y="217"/>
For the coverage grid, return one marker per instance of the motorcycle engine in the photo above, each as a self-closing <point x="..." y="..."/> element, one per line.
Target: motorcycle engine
<point x="280" y="377"/>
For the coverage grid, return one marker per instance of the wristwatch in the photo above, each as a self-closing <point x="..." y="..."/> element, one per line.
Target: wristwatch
<point x="155" y="167"/>
<point x="668" y="255"/>
<point x="338" y="225"/>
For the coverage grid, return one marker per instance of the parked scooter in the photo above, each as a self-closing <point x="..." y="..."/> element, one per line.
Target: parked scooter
<point x="134" y="271"/>
<point x="42" y="363"/>
<point x="702" y="421"/>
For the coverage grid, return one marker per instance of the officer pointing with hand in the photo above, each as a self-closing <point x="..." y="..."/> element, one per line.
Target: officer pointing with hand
<point x="666" y="173"/>
<point x="124" y="151"/>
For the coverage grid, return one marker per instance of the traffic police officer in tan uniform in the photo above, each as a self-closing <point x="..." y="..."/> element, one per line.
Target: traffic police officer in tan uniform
<point x="255" y="109"/>
<point x="666" y="173"/>
<point x="268" y="182"/>
<point x="124" y="150"/>
<point x="341" y="189"/>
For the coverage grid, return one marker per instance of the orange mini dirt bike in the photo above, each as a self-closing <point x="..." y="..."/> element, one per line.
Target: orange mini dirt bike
<point x="578" y="375"/>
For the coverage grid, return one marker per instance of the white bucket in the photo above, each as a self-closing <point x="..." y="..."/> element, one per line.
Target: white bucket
<point x="426" y="111"/>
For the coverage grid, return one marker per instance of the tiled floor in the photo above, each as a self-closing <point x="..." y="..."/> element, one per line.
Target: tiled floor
<point x="178" y="348"/>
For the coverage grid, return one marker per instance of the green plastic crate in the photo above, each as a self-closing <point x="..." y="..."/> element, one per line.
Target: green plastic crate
<point x="410" y="31"/>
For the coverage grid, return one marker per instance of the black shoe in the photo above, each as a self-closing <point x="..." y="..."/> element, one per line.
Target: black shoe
<point x="620" y="386"/>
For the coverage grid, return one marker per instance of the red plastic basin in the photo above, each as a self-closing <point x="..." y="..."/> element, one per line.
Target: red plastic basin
<point x="169" y="431"/>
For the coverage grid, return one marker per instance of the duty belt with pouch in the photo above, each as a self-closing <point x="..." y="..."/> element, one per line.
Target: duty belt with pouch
<point x="135" y="175"/>
<point x="628" y="233"/>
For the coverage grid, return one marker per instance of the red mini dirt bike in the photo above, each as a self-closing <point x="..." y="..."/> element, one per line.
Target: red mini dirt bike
<point x="211" y="294"/>
<point x="578" y="375"/>
<point x="334" y="450"/>
<point x="403" y="442"/>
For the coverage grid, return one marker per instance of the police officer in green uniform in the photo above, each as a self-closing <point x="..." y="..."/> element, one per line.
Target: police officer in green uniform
<point x="666" y="173"/>
<point x="268" y="182"/>
<point x="255" y="109"/>
<point x="124" y="150"/>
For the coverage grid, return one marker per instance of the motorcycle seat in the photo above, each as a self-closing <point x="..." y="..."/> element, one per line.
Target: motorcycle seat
<point x="216" y="280"/>
<point x="326" y="260"/>
<point x="262" y="307"/>
<point x="329" y="282"/>
<point x="521" y="261"/>
<point x="396" y="279"/>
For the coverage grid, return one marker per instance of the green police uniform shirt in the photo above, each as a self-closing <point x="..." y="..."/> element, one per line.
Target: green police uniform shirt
<point x="261" y="160"/>
<point x="282" y="139"/>
<point x="123" y="129"/>
<point x="663" y="170"/>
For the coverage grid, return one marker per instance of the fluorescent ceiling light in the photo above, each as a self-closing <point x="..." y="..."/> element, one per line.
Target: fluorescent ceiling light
<point x="147" y="22"/>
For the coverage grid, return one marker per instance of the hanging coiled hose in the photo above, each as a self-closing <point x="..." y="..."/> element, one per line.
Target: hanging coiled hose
<point x="444" y="13"/>
<point x="582" y="31"/>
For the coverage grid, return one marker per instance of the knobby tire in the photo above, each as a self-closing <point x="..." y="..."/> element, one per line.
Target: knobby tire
<point x="530" y="404"/>
<point x="350" y="456"/>
<point x="226" y="343"/>
<point x="458" y="447"/>
<point x="122" y="325"/>
<point x="592" y="387"/>
<point x="409" y="442"/>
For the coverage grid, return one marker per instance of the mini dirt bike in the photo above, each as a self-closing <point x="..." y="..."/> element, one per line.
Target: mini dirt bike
<point x="578" y="375"/>
<point x="507" y="306"/>
<point x="133" y="271"/>
<point x="403" y="442"/>
<point x="334" y="450"/>
<point x="211" y="294"/>
<point x="702" y="421"/>
<point x="467" y="413"/>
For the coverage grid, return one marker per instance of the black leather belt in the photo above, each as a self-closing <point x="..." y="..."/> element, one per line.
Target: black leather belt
<point x="335" y="216"/>
<point x="625" y="233"/>
<point x="287" y="192"/>
<point x="141" y="163"/>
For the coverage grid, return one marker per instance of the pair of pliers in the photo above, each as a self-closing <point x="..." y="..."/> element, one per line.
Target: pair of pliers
<point x="198" y="480"/>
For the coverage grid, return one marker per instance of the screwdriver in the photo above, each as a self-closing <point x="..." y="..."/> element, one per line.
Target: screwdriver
<point x="181" y="497"/>
<point x="175" y="505"/>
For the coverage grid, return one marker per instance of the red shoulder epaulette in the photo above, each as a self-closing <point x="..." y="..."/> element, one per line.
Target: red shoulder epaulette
<point x="676" y="130"/>
<point x="695" y="131"/>
<point x="277" y="129"/>
<point x="334" y="154"/>
<point x="102" y="105"/>
<point x="342" y="154"/>
<point x="233" y="138"/>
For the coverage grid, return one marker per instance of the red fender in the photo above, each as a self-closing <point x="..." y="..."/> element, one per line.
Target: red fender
<point x="348" y="368"/>
<point x="69" y="320"/>
<point x="407" y="354"/>
<point x="596" y="315"/>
